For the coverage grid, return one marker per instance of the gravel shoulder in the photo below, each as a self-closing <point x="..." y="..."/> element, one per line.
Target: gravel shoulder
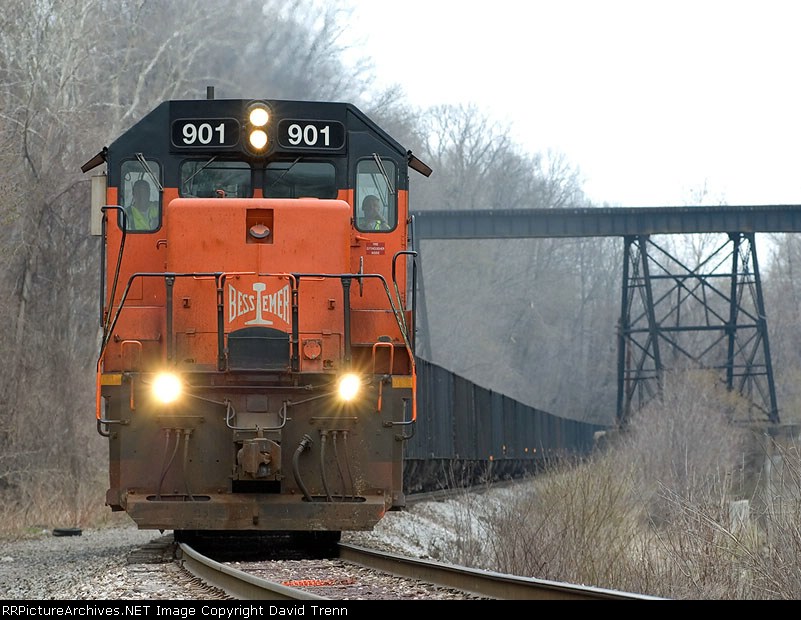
<point x="95" y="566"/>
<point x="92" y="566"/>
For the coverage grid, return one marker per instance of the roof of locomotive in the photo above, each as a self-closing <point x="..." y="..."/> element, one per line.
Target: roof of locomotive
<point x="152" y="131"/>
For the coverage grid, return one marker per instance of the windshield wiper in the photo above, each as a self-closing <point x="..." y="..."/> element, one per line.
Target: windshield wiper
<point x="143" y="161"/>
<point x="380" y="165"/>
<point x="285" y="172"/>
<point x="198" y="171"/>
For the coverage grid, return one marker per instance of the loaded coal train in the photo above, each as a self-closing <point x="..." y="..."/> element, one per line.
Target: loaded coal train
<point x="470" y="435"/>
<point x="257" y="370"/>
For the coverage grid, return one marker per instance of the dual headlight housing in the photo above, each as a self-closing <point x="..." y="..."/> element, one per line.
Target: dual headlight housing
<point x="258" y="119"/>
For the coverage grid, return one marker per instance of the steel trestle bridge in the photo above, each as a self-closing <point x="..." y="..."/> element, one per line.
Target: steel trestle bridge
<point x="710" y="315"/>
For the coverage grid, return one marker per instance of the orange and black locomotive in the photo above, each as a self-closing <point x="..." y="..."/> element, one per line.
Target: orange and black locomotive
<point x="256" y="370"/>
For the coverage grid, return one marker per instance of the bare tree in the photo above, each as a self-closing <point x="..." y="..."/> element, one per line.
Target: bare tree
<point x="529" y="318"/>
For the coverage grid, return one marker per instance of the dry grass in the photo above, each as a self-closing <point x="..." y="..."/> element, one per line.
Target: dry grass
<point x="54" y="499"/>
<point x="655" y="513"/>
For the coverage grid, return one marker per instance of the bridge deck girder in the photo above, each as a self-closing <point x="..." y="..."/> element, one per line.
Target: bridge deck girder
<point x="604" y="222"/>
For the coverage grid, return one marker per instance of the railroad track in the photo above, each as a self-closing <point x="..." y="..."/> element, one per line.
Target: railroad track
<point x="360" y="573"/>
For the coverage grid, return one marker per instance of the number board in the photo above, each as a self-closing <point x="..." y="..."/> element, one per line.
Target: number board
<point x="198" y="133"/>
<point x="309" y="134"/>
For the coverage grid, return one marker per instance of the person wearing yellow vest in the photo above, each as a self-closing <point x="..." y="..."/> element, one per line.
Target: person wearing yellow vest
<point x="372" y="219"/>
<point x="143" y="214"/>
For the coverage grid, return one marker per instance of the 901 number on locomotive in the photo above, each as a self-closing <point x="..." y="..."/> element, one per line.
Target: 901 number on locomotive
<point x="205" y="133"/>
<point x="311" y="134"/>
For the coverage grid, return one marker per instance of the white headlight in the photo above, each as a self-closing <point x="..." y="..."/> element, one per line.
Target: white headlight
<point x="167" y="387"/>
<point x="349" y="386"/>
<point x="258" y="139"/>
<point x="259" y="117"/>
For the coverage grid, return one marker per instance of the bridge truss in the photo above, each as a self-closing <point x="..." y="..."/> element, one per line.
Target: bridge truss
<point x="673" y="316"/>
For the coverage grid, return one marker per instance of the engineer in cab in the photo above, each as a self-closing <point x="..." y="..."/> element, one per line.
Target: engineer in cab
<point x="371" y="214"/>
<point x="143" y="213"/>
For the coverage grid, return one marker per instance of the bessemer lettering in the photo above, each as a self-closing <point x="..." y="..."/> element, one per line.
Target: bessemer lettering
<point x="239" y="303"/>
<point x="276" y="303"/>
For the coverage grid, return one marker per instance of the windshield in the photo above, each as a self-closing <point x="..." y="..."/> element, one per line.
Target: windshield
<point x="233" y="179"/>
<point x="210" y="178"/>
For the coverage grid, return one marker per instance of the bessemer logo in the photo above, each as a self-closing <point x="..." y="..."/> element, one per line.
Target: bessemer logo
<point x="266" y="306"/>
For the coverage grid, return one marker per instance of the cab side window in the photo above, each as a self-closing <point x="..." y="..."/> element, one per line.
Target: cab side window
<point x="140" y="195"/>
<point x="376" y="207"/>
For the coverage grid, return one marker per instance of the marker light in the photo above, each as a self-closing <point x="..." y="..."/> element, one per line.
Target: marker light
<point x="349" y="386"/>
<point x="167" y="387"/>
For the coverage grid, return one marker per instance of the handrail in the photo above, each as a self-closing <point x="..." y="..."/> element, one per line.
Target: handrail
<point x="219" y="278"/>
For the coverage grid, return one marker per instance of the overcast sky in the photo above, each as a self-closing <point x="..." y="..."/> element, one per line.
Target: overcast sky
<point x="651" y="100"/>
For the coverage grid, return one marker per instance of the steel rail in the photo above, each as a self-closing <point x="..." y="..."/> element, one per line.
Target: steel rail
<point x="480" y="582"/>
<point x="488" y="584"/>
<point x="236" y="583"/>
